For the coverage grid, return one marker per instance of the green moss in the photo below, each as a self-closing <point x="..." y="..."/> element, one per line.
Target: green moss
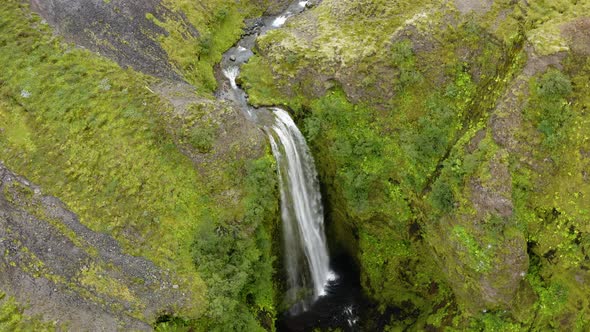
<point x="549" y="198"/>
<point x="19" y="194"/>
<point x="29" y="263"/>
<point x="104" y="152"/>
<point x="477" y="258"/>
<point x="197" y="127"/>
<point x="218" y="25"/>
<point x="545" y="19"/>
<point x="235" y="255"/>
<point x="13" y="318"/>
<point x="94" y="277"/>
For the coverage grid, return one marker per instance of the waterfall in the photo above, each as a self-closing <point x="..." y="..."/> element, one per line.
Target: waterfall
<point x="279" y="21"/>
<point x="306" y="254"/>
<point x="232" y="73"/>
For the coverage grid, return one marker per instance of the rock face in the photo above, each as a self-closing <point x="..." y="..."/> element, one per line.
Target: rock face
<point x="140" y="168"/>
<point x="70" y="274"/>
<point x="133" y="33"/>
<point x="444" y="133"/>
<point x="451" y="139"/>
<point x="116" y="29"/>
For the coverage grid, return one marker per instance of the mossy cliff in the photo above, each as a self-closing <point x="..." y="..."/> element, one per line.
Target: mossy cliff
<point x="451" y="137"/>
<point x="130" y="199"/>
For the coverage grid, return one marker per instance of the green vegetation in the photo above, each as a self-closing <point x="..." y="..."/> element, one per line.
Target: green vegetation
<point x="452" y="142"/>
<point x="462" y="173"/>
<point x="236" y="257"/>
<point x="104" y="152"/>
<point x="95" y="136"/>
<point x="13" y="318"/>
<point x="196" y="128"/>
<point x="219" y="24"/>
<point x="544" y="20"/>
<point x="549" y="107"/>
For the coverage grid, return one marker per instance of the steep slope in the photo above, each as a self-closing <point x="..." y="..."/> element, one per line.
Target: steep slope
<point x="450" y="138"/>
<point x="158" y="202"/>
<point x="68" y="273"/>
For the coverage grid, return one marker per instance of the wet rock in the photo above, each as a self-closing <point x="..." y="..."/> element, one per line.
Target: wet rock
<point x="253" y="26"/>
<point x="312" y="3"/>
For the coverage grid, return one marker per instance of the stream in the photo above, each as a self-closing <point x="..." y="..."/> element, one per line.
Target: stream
<point x="323" y="288"/>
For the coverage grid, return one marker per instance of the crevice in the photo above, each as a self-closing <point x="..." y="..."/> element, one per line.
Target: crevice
<point x="484" y="105"/>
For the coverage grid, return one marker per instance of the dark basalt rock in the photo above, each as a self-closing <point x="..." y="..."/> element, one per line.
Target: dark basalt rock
<point x="118" y="30"/>
<point x="253" y="26"/>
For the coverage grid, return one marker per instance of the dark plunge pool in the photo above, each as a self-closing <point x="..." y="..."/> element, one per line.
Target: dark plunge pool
<point x="342" y="307"/>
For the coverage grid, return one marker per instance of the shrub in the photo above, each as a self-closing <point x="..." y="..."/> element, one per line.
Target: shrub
<point x="442" y="196"/>
<point x="549" y="106"/>
<point x="554" y="85"/>
<point x="202" y="138"/>
<point x="233" y="256"/>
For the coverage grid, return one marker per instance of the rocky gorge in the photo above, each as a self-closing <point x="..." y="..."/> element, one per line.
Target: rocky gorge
<point x="450" y="140"/>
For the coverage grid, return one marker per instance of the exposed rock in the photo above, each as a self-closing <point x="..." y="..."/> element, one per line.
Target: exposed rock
<point x="507" y="117"/>
<point x="577" y="33"/>
<point x="487" y="200"/>
<point x="116" y="29"/>
<point x="499" y="287"/>
<point x="276" y="7"/>
<point x="234" y="137"/>
<point x="539" y="63"/>
<point x="253" y="26"/>
<point x="478" y="6"/>
<point x="70" y="274"/>
<point x="474" y="142"/>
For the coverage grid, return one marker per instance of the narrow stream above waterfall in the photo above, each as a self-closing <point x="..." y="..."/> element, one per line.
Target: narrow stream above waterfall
<point x="322" y="292"/>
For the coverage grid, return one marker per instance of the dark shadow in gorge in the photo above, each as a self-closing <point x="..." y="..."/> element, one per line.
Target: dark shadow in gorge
<point x="344" y="306"/>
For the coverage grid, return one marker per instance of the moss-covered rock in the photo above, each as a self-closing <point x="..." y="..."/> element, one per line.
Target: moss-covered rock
<point x="450" y="139"/>
<point x="69" y="274"/>
<point x="145" y="171"/>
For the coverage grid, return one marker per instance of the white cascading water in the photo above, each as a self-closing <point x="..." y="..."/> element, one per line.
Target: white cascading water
<point x="306" y="252"/>
<point x="232" y="74"/>
<point x="279" y="21"/>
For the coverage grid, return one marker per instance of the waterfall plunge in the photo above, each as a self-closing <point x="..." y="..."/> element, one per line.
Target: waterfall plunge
<point x="306" y="253"/>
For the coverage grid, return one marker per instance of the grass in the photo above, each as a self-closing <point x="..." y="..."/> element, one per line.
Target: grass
<point x="218" y="23"/>
<point x="391" y="123"/>
<point x="13" y="318"/>
<point x="102" y="149"/>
